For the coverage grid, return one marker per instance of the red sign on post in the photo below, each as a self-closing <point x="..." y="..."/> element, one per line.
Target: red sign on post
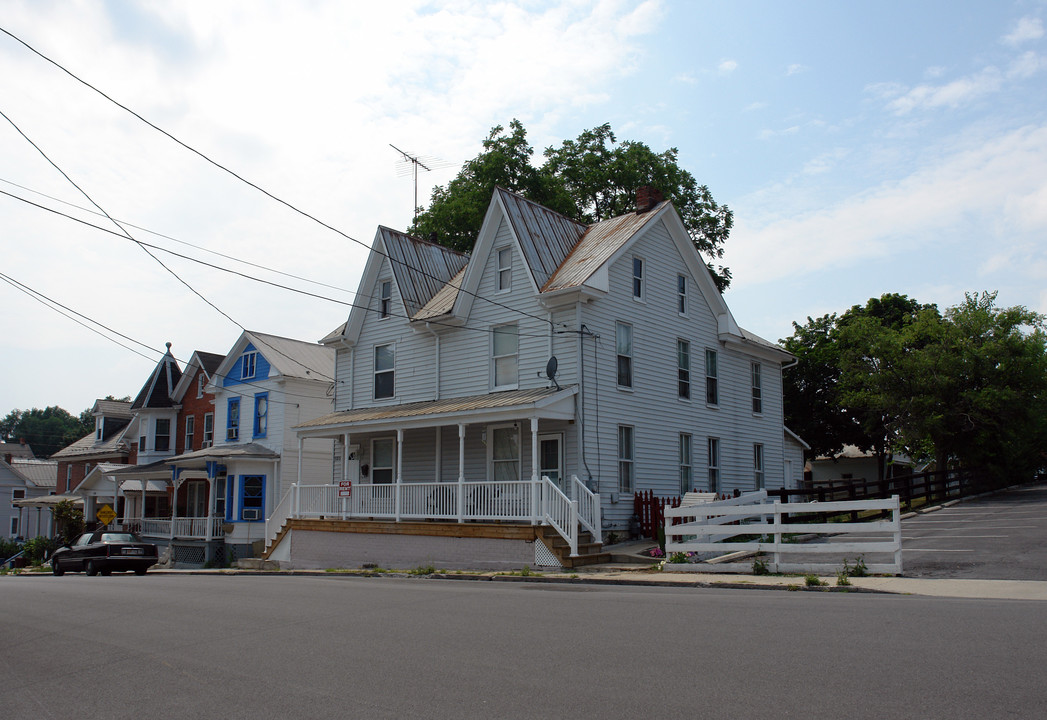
<point x="345" y="488"/>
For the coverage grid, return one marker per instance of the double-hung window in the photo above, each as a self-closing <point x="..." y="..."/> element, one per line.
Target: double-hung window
<point x="681" y="294"/>
<point x="686" y="479"/>
<point x="623" y="339"/>
<point x="683" y="369"/>
<point x="162" y="437"/>
<point x="758" y="465"/>
<point x="247" y="365"/>
<point x="190" y="431"/>
<point x="208" y="430"/>
<point x="638" y="278"/>
<point x="385" y="297"/>
<point x="505" y="269"/>
<point x="505" y="349"/>
<point x="757" y="388"/>
<point x="201" y="383"/>
<point x="261" y="415"/>
<point x="232" y="421"/>
<point x="383" y="459"/>
<point x="714" y="464"/>
<point x="626" y="457"/>
<point x="712" y="392"/>
<point x="384" y="364"/>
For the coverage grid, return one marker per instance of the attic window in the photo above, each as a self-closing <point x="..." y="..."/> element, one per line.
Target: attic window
<point x="248" y="362"/>
<point x="505" y="269"/>
<point x="638" y="278"/>
<point x="201" y="383"/>
<point x="385" y="297"/>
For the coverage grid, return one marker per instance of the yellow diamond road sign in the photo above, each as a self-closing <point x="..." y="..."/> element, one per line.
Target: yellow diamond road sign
<point x="105" y="514"/>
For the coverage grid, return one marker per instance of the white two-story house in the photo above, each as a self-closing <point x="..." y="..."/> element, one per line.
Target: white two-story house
<point x="600" y="357"/>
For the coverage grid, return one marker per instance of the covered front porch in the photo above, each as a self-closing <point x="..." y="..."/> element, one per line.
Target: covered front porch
<point x="500" y="457"/>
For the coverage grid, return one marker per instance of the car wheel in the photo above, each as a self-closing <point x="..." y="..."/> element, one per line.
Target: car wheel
<point x="56" y="569"/>
<point x="140" y="571"/>
<point x="90" y="568"/>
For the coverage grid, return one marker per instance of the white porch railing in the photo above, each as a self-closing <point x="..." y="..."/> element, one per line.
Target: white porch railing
<point x="514" y="501"/>
<point x="193" y="528"/>
<point x="706" y="526"/>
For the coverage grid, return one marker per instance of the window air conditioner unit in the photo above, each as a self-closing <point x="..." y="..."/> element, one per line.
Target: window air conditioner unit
<point x="251" y="513"/>
<point x="232" y="434"/>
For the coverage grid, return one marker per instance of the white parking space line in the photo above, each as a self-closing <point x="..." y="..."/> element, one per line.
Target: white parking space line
<point x="950" y="537"/>
<point x="905" y="549"/>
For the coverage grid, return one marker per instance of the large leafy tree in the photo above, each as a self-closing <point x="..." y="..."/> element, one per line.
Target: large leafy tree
<point x="591" y="178"/>
<point x="48" y="430"/>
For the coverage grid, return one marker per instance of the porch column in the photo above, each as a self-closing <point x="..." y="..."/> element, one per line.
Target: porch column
<point x="535" y="486"/>
<point x="345" y="456"/>
<point x="301" y="446"/>
<point x="399" y="468"/>
<point x="141" y="513"/>
<point x="461" y="470"/>
<point x="174" y="504"/>
<point x="211" y="497"/>
<point x="439" y="453"/>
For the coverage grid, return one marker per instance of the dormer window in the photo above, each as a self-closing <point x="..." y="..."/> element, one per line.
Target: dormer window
<point x="99" y="424"/>
<point x="385" y="297"/>
<point x="505" y="269"/>
<point x="247" y="364"/>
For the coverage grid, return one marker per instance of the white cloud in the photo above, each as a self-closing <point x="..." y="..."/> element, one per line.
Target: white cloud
<point x="990" y="190"/>
<point x="1028" y="28"/>
<point x="796" y="69"/>
<point x="727" y="66"/>
<point x="953" y="94"/>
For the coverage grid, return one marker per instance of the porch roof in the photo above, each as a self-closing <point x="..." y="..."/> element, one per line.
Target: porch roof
<point x="223" y="453"/>
<point x="554" y="403"/>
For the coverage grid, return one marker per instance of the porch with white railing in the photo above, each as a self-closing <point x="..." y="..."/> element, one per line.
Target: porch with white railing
<point x="533" y="502"/>
<point x="186" y="528"/>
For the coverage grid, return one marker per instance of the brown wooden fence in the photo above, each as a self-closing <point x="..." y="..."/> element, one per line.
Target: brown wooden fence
<point x="649" y="510"/>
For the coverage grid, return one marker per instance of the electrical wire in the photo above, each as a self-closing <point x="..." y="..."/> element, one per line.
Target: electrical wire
<point x="260" y="189"/>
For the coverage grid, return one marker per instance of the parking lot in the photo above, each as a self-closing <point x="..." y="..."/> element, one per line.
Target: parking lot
<point x="997" y="537"/>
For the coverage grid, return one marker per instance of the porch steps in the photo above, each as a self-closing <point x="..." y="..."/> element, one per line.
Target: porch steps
<point x="589" y="551"/>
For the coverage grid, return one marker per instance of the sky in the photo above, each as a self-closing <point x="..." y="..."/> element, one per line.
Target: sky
<point x="864" y="148"/>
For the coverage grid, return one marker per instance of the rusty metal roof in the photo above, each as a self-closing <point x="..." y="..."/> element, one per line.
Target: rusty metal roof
<point x="546" y="237"/>
<point x="421" y="268"/>
<point x="536" y="397"/>
<point x="597" y="245"/>
<point x="443" y="301"/>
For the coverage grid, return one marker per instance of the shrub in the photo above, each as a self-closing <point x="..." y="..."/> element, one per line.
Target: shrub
<point x="38" y="549"/>
<point x="760" y="567"/>
<point x="8" y="548"/>
<point x="857" y="570"/>
<point x="678" y="557"/>
<point x="812" y="580"/>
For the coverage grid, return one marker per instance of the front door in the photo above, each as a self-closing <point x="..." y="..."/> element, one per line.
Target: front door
<point x="550" y="459"/>
<point x="196" y="498"/>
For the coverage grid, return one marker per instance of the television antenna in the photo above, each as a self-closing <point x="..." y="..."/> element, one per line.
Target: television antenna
<point x="410" y="164"/>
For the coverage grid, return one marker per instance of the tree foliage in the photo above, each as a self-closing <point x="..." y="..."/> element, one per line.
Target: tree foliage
<point x="589" y="179"/>
<point x="46" y="431"/>
<point x="966" y="386"/>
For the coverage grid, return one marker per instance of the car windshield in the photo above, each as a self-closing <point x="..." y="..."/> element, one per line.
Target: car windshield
<point x="118" y="538"/>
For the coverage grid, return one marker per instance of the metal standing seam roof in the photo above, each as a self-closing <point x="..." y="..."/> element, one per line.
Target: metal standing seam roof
<point x="443" y="301"/>
<point x="597" y="245"/>
<point x="119" y="409"/>
<point x="448" y="406"/>
<point x="295" y="358"/>
<point x="421" y="268"/>
<point x="546" y="237"/>
<point x="87" y="447"/>
<point x="42" y="473"/>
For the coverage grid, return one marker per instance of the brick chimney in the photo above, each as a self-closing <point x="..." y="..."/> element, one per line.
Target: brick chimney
<point x="8" y="457"/>
<point x="647" y="197"/>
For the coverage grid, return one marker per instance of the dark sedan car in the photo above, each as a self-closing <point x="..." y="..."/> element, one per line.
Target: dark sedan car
<point x="104" y="551"/>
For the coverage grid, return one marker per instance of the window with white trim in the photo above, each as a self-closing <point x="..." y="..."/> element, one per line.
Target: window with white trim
<point x="505" y="269"/>
<point x="681" y="294"/>
<point x="14" y="526"/>
<point x="714" y="464"/>
<point x="385" y="297"/>
<point x="232" y="420"/>
<point x="248" y="363"/>
<point x="638" y="289"/>
<point x="626" y="458"/>
<point x="758" y="465"/>
<point x="190" y="431"/>
<point x="683" y="369"/>
<point x="686" y="477"/>
<point x="623" y="341"/>
<point x="208" y="430"/>
<point x="162" y="437"/>
<point x="505" y="453"/>
<point x="505" y="350"/>
<point x="383" y="460"/>
<point x="757" y="388"/>
<point x="17" y="494"/>
<point x="201" y="384"/>
<point x="384" y="366"/>
<point x="712" y="391"/>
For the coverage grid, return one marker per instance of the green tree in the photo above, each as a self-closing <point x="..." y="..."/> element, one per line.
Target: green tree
<point x="587" y="179"/>
<point x="69" y="521"/>
<point x="47" y="431"/>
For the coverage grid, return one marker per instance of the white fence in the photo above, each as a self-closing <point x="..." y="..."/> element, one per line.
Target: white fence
<point x="521" y="501"/>
<point x="704" y="528"/>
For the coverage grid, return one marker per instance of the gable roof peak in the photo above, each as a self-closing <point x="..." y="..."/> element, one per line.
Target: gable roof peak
<point x="159" y="388"/>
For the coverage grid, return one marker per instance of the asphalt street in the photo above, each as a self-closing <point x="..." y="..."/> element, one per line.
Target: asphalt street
<point x="335" y="646"/>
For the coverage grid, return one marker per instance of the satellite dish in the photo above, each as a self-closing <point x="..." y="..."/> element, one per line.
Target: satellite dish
<point x="550" y="371"/>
